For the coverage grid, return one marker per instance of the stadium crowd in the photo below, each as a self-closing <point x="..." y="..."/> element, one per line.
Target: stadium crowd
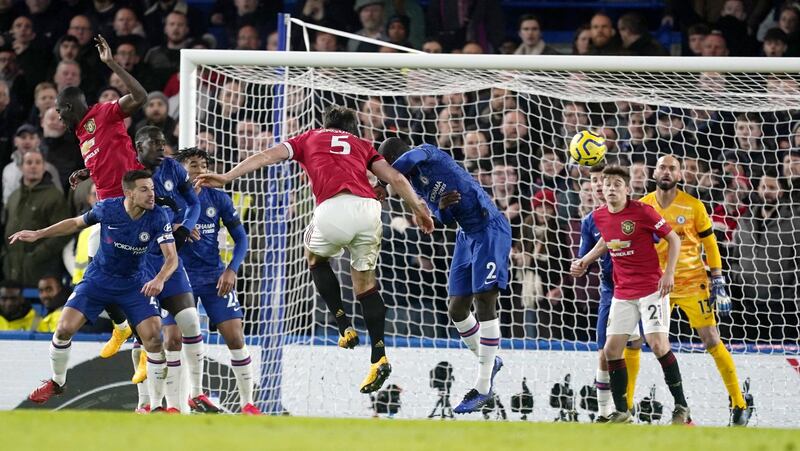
<point x="744" y="166"/>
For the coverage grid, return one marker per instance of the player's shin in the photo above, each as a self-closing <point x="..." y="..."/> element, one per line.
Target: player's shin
<point x="242" y="367"/>
<point x="173" y="380"/>
<point x="618" y="376"/>
<point x="487" y="350"/>
<point x="375" y="316"/>
<point x="156" y="377"/>
<point x="59" y="358"/>
<point x="469" y="329"/>
<point x="193" y="347"/>
<point x="727" y="370"/>
<point x="327" y="286"/>
<point x="632" y="358"/>
<point x="672" y="376"/>
<point x="602" y="382"/>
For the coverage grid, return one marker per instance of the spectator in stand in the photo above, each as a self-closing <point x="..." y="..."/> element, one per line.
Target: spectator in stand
<point x="53" y="295"/>
<point x="127" y="28"/>
<point x="272" y="41"/>
<point x="472" y="48"/>
<point x="454" y="22"/>
<point x="697" y="34"/>
<point x="34" y="205"/>
<point x="582" y="41"/>
<point x="16" y="313"/>
<point x="432" y="45"/>
<point x="68" y="74"/>
<point x="450" y="129"/>
<point x="714" y="44"/>
<point x="750" y="148"/>
<point x="726" y="214"/>
<point x="328" y="13"/>
<point x="477" y="153"/>
<point x="605" y="40"/>
<point x="20" y="90"/>
<point x="767" y="240"/>
<point x="60" y="148"/>
<point x="157" y="16"/>
<point x="8" y="123"/>
<point x="733" y="25"/>
<point x="128" y="55"/>
<point x="102" y="14"/>
<point x="247" y="139"/>
<point x="574" y="117"/>
<point x="530" y="32"/>
<point x="506" y="194"/>
<point x="515" y="143"/>
<point x="636" y="40"/>
<point x="164" y="60"/>
<point x="156" y="114"/>
<point x="27" y="139"/>
<point x="325" y="42"/>
<point x="776" y="43"/>
<point x="791" y="175"/>
<point x="30" y="55"/>
<point x="44" y="98"/>
<point x="397" y="30"/>
<point x="81" y="28"/>
<point x="67" y="49"/>
<point x="491" y="114"/>
<point x="48" y="19"/>
<point x="372" y="120"/>
<point x="248" y="39"/>
<point x="553" y="176"/>
<point x="638" y="180"/>
<point x="691" y="172"/>
<point x="370" y="15"/>
<point x="789" y="23"/>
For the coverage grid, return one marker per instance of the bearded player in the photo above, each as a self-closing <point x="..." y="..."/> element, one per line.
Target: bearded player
<point x="641" y="290"/>
<point x="688" y="218"/>
<point x="347" y="215"/>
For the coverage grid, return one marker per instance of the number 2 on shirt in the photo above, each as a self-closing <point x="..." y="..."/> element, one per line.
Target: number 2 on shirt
<point x="339" y="141"/>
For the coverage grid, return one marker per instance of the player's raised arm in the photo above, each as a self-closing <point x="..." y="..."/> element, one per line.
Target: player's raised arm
<point x="400" y="184"/>
<point x="668" y="278"/>
<point x="68" y="226"/>
<point x="154" y="287"/>
<point x="268" y="157"/>
<point x="191" y="213"/>
<point x="138" y="95"/>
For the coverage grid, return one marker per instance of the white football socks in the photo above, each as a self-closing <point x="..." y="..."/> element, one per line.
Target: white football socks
<point x="59" y="358"/>
<point x="242" y="367"/>
<point x="487" y="350"/>
<point x="469" y="329"/>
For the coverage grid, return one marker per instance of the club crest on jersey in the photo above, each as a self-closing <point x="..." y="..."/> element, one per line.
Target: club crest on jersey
<point x="90" y="126"/>
<point x="144" y="237"/>
<point x="168" y="227"/>
<point x="168" y="185"/>
<point x="211" y="212"/>
<point x="681" y="219"/>
<point x="628" y="227"/>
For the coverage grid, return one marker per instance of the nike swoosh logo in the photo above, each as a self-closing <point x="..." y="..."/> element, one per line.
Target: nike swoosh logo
<point x="112" y="228"/>
<point x="596" y="235"/>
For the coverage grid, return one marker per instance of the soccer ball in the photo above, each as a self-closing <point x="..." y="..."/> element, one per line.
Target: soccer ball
<point x="587" y="148"/>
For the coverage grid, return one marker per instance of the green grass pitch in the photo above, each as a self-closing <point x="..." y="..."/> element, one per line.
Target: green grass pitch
<point x="85" y="431"/>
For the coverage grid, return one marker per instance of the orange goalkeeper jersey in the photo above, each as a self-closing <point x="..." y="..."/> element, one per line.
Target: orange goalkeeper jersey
<point x="688" y="218"/>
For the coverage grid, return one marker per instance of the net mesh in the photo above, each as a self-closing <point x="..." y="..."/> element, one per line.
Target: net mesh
<point x="510" y="129"/>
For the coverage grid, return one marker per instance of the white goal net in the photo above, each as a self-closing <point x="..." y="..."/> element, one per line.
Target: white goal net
<point x="736" y="132"/>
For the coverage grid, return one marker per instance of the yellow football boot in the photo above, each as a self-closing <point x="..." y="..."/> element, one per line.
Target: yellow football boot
<point x="140" y="375"/>
<point x="118" y="338"/>
<point x="378" y="373"/>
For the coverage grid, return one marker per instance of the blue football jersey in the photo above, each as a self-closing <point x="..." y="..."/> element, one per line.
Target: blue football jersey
<point x="589" y="237"/>
<point x="168" y="178"/>
<point x="124" y="242"/>
<point x="201" y="258"/>
<point x="437" y="174"/>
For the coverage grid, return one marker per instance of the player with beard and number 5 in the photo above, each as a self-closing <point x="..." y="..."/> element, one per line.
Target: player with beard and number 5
<point x="479" y="269"/>
<point x="641" y="291"/>
<point x="347" y="215"/>
<point x="130" y="227"/>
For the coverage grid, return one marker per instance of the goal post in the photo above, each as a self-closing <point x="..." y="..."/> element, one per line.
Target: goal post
<point x="507" y="119"/>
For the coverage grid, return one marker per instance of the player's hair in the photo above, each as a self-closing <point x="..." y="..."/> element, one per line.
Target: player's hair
<point x="130" y="178"/>
<point x="618" y="171"/>
<point x="341" y="118"/>
<point x="191" y="152"/>
<point x="392" y="148"/>
<point x="12" y="284"/>
<point x="146" y="132"/>
<point x="72" y="95"/>
<point x="597" y="169"/>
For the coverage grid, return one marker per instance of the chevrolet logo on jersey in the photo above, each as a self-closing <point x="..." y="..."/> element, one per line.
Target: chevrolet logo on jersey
<point x="90" y="126"/>
<point x="628" y="227"/>
<point x="616" y="245"/>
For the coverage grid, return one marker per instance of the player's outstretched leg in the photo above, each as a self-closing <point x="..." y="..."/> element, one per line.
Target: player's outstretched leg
<point x="374" y="312"/>
<point x="488" y="361"/>
<point x="121" y="333"/>
<point x="71" y="320"/>
<point x="740" y="414"/>
<point x="241" y="363"/>
<point x="327" y="286"/>
<point x="149" y="331"/>
<point x="659" y="343"/>
<point x="468" y="327"/>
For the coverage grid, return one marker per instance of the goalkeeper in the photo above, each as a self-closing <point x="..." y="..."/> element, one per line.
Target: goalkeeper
<point x="479" y="269"/>
<point x="688" y="217"/>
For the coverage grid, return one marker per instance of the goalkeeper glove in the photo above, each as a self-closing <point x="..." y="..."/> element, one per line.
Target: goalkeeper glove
<point x="180" y="234"/>
<point x="719" y="296"/>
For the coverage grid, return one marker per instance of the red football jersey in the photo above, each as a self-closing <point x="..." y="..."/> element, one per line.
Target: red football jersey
<point x="629" y="237"/>
<point x="106" y="148"/>
<point x="335" y="161"/>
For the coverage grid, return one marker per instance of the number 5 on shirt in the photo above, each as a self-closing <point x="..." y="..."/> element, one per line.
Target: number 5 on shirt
<point x="340" y="141"/>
